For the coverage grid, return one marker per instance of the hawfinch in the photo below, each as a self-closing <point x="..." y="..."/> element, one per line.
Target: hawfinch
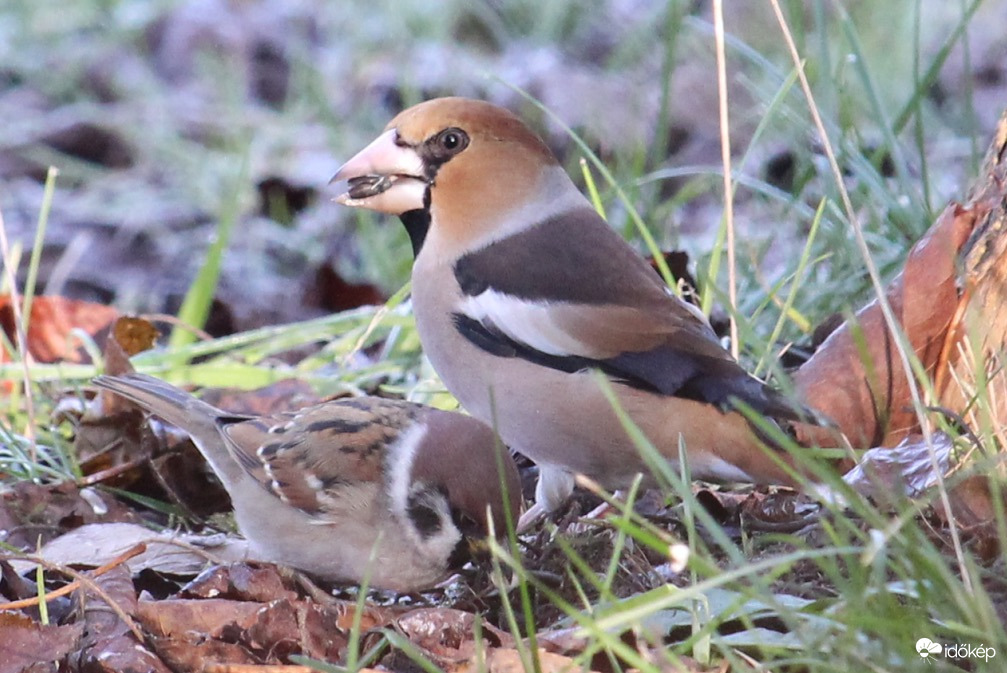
<point x="522" y="293"/>
<point x="320" y="488"/>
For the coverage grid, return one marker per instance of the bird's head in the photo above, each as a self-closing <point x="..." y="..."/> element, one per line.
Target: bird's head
<point x="466" y="166"/>
<point x="452" y="484"/>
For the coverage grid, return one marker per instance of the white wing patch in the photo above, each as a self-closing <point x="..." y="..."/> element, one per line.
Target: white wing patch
<point x="527" y="322"/>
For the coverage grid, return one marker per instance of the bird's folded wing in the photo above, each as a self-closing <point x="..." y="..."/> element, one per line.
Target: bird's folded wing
<point x="308" y="458"/>
<point x="531" y="295"/>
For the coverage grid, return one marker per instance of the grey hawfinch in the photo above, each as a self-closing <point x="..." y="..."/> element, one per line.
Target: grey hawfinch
<point x="319" y="489"/>
<point x="520" y="290"/>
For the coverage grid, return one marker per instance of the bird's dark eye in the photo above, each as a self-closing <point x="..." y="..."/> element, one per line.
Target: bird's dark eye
<point x="450" y="141"/>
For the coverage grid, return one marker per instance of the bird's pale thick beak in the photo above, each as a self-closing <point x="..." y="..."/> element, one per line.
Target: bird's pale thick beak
<point x="385" y="176"/>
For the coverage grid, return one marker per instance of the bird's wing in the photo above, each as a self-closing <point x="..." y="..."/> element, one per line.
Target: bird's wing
<point x="314" y="458"/>
<point x="569" y="294"/>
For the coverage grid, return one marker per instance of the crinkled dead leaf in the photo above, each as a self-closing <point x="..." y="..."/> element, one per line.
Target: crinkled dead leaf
<point x="906" y="470"/>
<point x="972" y="501"/>
<point x="240" y="582"/>
<point x="50" y="336"/>
<point x="264" y="633"/>
<point x="99" y="543"/>
<point x="108" y="643"/>
<point x="188" y="619"/>
<point x="25" y="643"/>
<point x="856" y="377"/>
<point x="445" y="635"/>
<point x="46" y="512"/>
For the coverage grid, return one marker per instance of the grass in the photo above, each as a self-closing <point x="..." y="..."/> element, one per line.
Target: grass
<point x="872" y="579"/>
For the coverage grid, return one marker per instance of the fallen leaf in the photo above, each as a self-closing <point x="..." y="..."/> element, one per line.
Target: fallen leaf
<point x="195" y="618"/>
<point x="856" y="377"/>
<point x="25" y="643"/>
<point x="53" y="320"/>
<point x="128" y="337"/>
<point x="241" y="582"/>
<point x="47" y="512"/>
<point x="108" y="643"/>
<point x="972" y="501"/>
<point x="905" y="470"/>
<point x="99" y="543"/>
<point x="445" y="634"/>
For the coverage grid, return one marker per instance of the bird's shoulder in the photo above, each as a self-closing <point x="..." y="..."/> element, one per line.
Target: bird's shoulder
<point x="315" y="458"/>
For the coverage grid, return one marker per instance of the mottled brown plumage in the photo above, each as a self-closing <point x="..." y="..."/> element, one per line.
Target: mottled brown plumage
<point x="319" y="488"/>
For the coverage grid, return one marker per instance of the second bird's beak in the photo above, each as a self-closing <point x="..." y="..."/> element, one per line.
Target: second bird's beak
<point x="386" y="176"/>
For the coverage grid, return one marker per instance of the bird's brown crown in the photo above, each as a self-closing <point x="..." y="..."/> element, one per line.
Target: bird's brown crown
<point x="482" y="121"/>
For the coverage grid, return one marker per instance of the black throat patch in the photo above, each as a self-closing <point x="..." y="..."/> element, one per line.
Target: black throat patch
<point x="417" y="224"/>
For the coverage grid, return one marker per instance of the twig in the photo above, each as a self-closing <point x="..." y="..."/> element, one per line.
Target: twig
<point x="725" y="157"/>
<point x="109" y="473"/>
<point x="78" y="580"/>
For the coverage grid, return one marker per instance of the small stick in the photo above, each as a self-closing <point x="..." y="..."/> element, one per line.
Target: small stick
<point x="135" y="550"/>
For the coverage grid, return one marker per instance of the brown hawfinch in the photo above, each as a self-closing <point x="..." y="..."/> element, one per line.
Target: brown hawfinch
<point x="520" y="290"/>
<point x="320" y="488"/>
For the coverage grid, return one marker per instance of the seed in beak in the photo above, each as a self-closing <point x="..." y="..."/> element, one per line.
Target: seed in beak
<point x="366" y="186"/>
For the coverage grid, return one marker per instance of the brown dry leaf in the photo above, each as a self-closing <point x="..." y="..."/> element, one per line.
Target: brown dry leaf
<point x="905" y="470"/>
<point x="445" y="634"/>
<point x="127" y="337"/>
<point x="251" y="631"/>
<point x="13" y="587"/>
<point x="508" y="660"/>
<point x="194" y="655"/>
<point x="195" y="619"/>
<point x="53" y="319"/>
<point x="240" y="582"/>
<point x="25" y="643"/>
<point x="133" y="335"/>
<point x="108" y="644"/>
<point x="972" y="501"/>
<point x="47" y="512"/>
<point x="109" y="429"/>
<point x="856" y="377"/>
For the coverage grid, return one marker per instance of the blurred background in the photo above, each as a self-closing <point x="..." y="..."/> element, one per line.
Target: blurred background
<point x="176" y="124"/>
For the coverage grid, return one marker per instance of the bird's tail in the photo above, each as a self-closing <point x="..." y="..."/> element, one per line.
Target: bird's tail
<point x="157" y="397"/>
<point x="179" y="408"/>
